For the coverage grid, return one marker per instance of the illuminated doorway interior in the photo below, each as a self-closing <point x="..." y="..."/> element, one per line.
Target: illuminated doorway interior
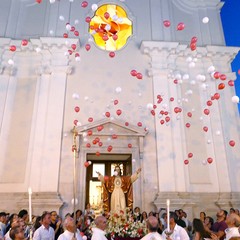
<point x="105" y="164"/>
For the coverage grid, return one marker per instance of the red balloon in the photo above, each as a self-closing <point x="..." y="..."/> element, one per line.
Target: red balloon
<point x="221" y="86"/>
<point x="107" y="114"/>
<point x="126" y="124"/>
<point x="112" y="54"/>
<point x="74" y="46"/>
<point x="216" y="75"/>
<point x="205" y="128"/>
<point x="175" y="81"/>
<point x="76" y="33"/>
<point x="180" y="26"/>
<point x="210" y="160"/>
<point x="12" y="48"/>
<point x="206" y="111"/>
<point x="171" y="99"/>
<point x="88" y="19"/>
<point x="90" y="119"/>
<point x="133" y="73"/>
<point x="162" y="121"/>
<point x="194" y="40"/>
<point x="100" y="128"/>
<point x="38" y="1"/>
<point x="186" y="162"/>
<point x="94" y="141"/>
<point x="139" y="124"/>
<point x="154" y="106"/>
<point x="106" y="15"/>
<point x="232" y="143"/>
<point x="87" y="46"/>
<point x="193" y="46"/>
<point x="77" y="109"/>
<point x="231" y="83"/>
<point x="176" y="109"/>
<point x="129" y="145"/>
<point x="216" y="96"/>
<point x="89" y="133"/>
<point x="188" y="125"/>
<point x="115" y="102"/>
<point x="189" y="114"/>
<point x="84" y="4"/>
<point x="88" y="145"/>
<point x="65" y="35"/>
<point x="100" y="144"/>
<point x="109" y="148"/>
<point x="114" y="136"/>
<point x="153" y="112"/>
<point x="139" y="76"/>
<point x="209" y="103"/>
<point x="114" y="37"/>
<point x="24" y="42"/>
<point x="119" y="112"/>
<point x="70" y="51"/>
<point x="223" y="77"/>
<point x="72" y="29"/>
<point x="166" y="23"/>
<point x="86" y="164"/>
<point x="167" y="119"/>
<point x="77" y="55"/>
<point x="75" y="122"/>
<point x="190" y="155"/>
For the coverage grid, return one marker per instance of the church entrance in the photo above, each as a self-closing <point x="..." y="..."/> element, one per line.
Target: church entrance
<point x="105" y="164"/>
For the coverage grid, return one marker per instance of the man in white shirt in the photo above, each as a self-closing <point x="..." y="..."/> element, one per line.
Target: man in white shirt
<point x="98" y="232"/>
<point x="233" y="222"/>
<point x="152" y="225"/>
<point x="70" y="228"/>
<point x="176" y="232"/>
<point x="45" y="232"/>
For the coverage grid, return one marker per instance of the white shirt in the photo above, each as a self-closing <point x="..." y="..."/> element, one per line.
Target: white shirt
<point x="179" y="233"/>
<point x="43" y="233"/>
<point x="232" y="232"/>
<point x="98" y="234"/>
<point x="152" y="236"/>
<point x="69" y="235"/>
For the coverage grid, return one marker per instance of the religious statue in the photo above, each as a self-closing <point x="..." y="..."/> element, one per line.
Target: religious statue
<point x="117" y="190"/>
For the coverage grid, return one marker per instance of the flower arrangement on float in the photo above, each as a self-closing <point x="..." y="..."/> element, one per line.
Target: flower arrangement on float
<point x="122" y="224"/>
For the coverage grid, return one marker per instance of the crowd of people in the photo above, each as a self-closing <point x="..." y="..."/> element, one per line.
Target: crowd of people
<point x="75" y="226"/>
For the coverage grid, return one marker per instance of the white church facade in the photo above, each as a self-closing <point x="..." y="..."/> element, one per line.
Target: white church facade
<point x="176" y="120"/>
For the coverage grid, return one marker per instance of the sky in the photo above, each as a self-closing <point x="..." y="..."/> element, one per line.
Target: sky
<point x="230" y="15"/>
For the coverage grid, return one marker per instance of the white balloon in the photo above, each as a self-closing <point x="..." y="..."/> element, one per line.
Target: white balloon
<point x="211" y="69"/>
<point x="51" y="32"/>
<point x="209" y="141"/>
<point x="218" y="133"/>
<point x="38" y="49"/>
<point x="205" y="20"/>
<point x="75" y="96"/>
<point x="61" y="18"/>
<point x="10" y="62"/>
<point x="76" y="21"/>
<point x="118" y="89"/>
<point x="235" y="99"/>
<point x="86" y="98"/>
<point x="191" y="64"/>
<point x="52" y="1"/>
<point x="133" y="160"/>
<point x="84" y="237"/>
<point x="89" y="162"/>
<point x="115" y="17"/>
<point x="189" y="92"/>
<point x="94" y="7"/>
<point x="79" y="124"/>
<point x="78" y="59"/>
<point x="150" y="106"/>
<point x="68" y="27"/>
<point x="189" y="59"/>
<point x="204" y="162"/>
<point x="185" y="76"/>
<point x="178" y="76"/>
<point x="193" y="82"/>
<point x="108" y="27"/>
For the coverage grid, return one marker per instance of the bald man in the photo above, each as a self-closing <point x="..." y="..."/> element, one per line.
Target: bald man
<point x="152" y="225"/>
<point x="98" y="231"/>
<point x="233" y="222"/>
